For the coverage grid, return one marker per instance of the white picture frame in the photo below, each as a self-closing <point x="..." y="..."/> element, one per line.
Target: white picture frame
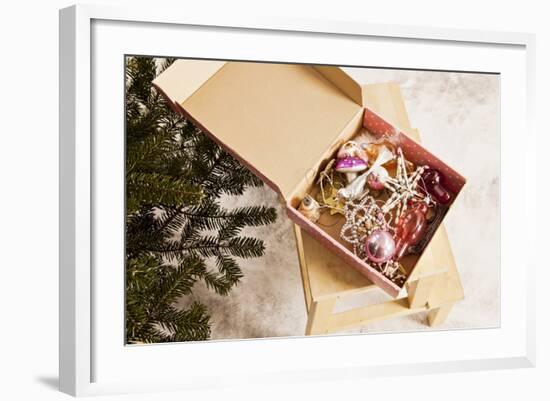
<point x="91" y="362"/>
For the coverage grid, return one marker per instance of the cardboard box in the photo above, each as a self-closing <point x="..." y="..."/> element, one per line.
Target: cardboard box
<point x="285" y="122"/>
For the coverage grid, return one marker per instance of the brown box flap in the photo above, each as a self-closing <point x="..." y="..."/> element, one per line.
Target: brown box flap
<point x="184" y="77"/>
<point x="277" y="118"/>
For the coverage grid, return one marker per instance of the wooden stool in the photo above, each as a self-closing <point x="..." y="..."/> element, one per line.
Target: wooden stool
<point x="434" y="285"/>
<point x="327" y="279"/>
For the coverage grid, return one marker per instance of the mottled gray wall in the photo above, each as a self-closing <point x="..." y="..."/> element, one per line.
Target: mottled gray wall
<point x="458" y="118"/>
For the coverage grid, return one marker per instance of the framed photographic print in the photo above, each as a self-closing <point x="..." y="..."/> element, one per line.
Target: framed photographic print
<point x="255" y="200"/>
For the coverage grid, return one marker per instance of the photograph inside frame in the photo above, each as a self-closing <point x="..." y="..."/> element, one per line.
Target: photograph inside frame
<point x="281" y="200"/>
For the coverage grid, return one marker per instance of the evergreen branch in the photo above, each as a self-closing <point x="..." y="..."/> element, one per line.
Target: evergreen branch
<point x="140" y="155"/>
<point x="243" y="247"/>
<point x="154" y="189"/>
<point x="179" y="281"/>
<point x="246" y="247"/>
<point x="250" y="215"/>
<point x="189" y="325"/>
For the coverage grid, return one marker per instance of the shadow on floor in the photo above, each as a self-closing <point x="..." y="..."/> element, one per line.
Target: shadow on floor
<point x="51" y="382"/>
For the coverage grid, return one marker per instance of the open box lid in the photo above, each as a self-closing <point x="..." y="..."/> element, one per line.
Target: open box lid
<point x="278" y="119"/>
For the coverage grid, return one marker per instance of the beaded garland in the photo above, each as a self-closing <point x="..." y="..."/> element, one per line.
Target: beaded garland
<point x="362" y="217"/>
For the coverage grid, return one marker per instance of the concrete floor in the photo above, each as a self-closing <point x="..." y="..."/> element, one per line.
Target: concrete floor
<point x="458" y="117"/>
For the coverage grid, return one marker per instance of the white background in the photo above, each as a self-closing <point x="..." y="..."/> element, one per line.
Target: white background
<point x="28" y="157"/>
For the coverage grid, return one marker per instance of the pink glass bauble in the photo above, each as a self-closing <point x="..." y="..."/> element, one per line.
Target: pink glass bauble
<point x="434" y="183"/>
<point x="379" y="246"/>
<point x="410" y="229"/>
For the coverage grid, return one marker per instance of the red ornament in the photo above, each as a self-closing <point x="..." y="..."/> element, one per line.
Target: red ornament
<point x="410" y="229"/>
<point x="434" y="184"/>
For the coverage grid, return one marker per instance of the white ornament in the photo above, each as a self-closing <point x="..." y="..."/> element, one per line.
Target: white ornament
<point x="357" y="186"/>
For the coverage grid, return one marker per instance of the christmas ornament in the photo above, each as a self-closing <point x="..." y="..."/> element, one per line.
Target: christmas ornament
<point x="383" y="156"/>
<point x="434" y="184"/>
<point x="310" y="208"/>
<point x="410" y="229"/>
<point x="356" y="188"/>
<point x="373" y="149"/>
<point x="362" y="216"/>
<point x="379" y="246"/>
<point x="377" y="178"/>
<point x="403" y="187"/>
<point x="352" y="149"/>
<point x="434" y="217"/>
<point x="350" y="165"/>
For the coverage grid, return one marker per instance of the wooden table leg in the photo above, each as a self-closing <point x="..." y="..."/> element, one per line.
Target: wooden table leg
<point x="419" y="291"/>
<point x="320" y="313"/>
<point x="437" y="316"/>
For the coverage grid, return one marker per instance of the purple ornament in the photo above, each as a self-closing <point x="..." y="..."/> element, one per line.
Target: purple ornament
<point x="379" y="246"/>
<point x="350" y="165"/>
